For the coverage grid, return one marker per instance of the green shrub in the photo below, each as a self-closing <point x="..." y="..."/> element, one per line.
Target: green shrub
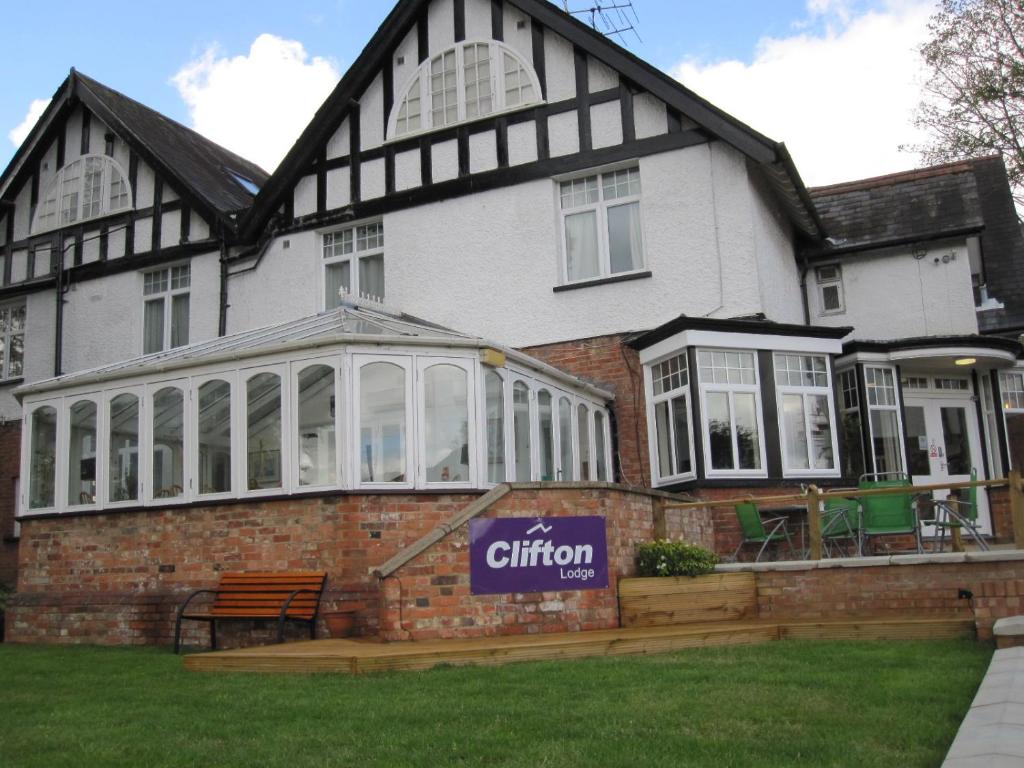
<point x="673" y="558"/>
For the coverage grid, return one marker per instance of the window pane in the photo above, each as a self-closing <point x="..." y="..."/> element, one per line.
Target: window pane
<point x="179" y="321"/>
<point x="16" y="361"/>
<point x="124" y="449"/>
<point x="670" y="375"/>
<point x="821" y="432"/>
<point x="215" y="437"/>
<point x="446" y="424"/>
<point x="624" y="237"/>
<point x="853" y="464"/>
<point x="917" y="441"/>
<point x="263" y="431"/>
<point x="382" y="431"/>
<point x="153" y="327"/>
<point x="886" y="436"/>
<point x="583" y="424"/>
<point x="545" y="414"/>
<point x="599" y="446"/>
<point x="521" y="430"/>
<point x="1015" y="437"/>
<point x="796" y="431"/>
<point x="565" y="439"/>
<point x="720" y="430"/>
<point x="337" y="280"/>
<point x="958" y="444"/>
<point x="681" y="432"/>
<point x="318" y="450"/>
<point x="495" y="428"/>
<point x="830" y="298"/>
<point x="748" y="440"/>
<point x="168" y="443"/>
<point x="664" y="439"/>
<point x="43" y="459"/>
<point x="82" y="454"/>
<point x="581" y="246"/>
<point x="371" y="277"/>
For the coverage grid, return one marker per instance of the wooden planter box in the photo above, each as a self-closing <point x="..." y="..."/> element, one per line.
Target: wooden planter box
<point x="671" y="600"/>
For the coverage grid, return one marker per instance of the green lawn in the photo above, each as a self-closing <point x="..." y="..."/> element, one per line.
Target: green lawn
<point x="781" y="704"/>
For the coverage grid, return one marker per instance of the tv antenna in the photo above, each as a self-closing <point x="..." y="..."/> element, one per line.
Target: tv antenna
<point x="614" y="18"/>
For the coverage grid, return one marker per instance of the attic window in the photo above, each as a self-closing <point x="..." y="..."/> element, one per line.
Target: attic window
<point x="467" y="82"/>
<point x="830" y="289"/>
<point x="90" y="187"/>
<point x="247" y="184"/>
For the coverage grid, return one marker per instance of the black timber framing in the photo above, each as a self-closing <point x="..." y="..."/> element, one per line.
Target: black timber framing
<point x="185" y="228"/>
<point x="459" y="7"/>
<point x="321" y="181"/>
<point x="104" y="242"/>
<point x="423" y="35"/>
<point x="86" y="131"/>
<point x="133" y="179"/>
<point x="426" y="161"/>
<point x="698" y="423"/>
<point x="30" y="268"/>
<point x="8" y="245"/>
<point x="62" y="136"/>
<point x="539" y="61"/>
<point x="626" y="111"/>
<point x="497" y="20"/>
<point x="355" y="159"/>
<point x="34" y="199"/>
<point x="158" y="214"/>
<point x="501" y="141"/>
<point x="463" y="139"/>
<point x="500" y="177"/>
<point x="770" y="405"/>
<point x="582" y="68"/>
<point x="388" y="82"/>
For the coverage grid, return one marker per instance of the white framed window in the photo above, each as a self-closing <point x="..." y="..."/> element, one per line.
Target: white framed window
<point x="1011" y="385"/>
<point x="353" y="264"/>
<point x="214" y="422"/>
<point x="806" y="415"/>
<point x="494" y="418"/>
<point x="602" y="231"/>
<point x="730" y="398"/>
<point x="167" y="442"/>
<point x="990" y="412"/>
<point x="266" y="424"/>
<point x="849" y="406"/>
<point x="602" y="446"/>
<point x="469" y="81"/>
<point x="566" y="447"/>
<point x="166" y="300"/>
<point x="88" y="188"/>
<point x="884" y="420"/>
<point x="382" y="403"/>
<point x="318" y="389"/>
<point x="669" y="414"/>
<point x="83" y="451"/>
<point x="447" y="428"/>
<point x="829" y="280"/>
<point x="124" y="421"/>
<point x="12" y="341"/>
<point x="522" y="432"/>
<point x="41" y="456"/>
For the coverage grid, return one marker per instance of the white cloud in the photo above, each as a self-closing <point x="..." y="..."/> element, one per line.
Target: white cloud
<point x="35" y="110"/>
<point x="842" y="99"/>
<point x="256" y="105"/>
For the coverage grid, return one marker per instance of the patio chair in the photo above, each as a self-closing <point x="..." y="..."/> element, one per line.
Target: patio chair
<point x="954" y="513"/>
<point x="888" y="515"/>
<point x="758" y="531"/>
<point x="840" y="522"/>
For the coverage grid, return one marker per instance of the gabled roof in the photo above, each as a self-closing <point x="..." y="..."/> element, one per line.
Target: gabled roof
<point x="771" y="156"/>
<point x="204" y="171"/>
<point x="900" y="208"/>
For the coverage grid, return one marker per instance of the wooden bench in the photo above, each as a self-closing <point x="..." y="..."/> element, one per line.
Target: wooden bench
<point x="281" y="596"/>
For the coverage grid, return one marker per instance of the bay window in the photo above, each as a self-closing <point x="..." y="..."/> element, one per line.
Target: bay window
<point x="565" y="453"/>
<point x="522" y="450"/>
<point x="731" y="407"/>
<point x="670" y="417"/>
<point x="264" y="428"/>
<point x="168" y="443"/>
<point x="546" y="424"/>
<point x="494" y="407"/>
<point x="1012" y="387"/>
<point x="165" y="322"/>
<point x="804" y="393"/>
<point x="42" y="489"/>
<point x="602" y="233"/>
<point x="446" y="423"/>
<point x="214" y="437"/>
<point x="315" y="429"/>
<point x="884" y="420"/>
<point x="12" y="342"/>
<point x="383" y="394"/>
<point x="82" y="454"/>
<point x="123" y="449"/>
<point x="353" y="264"/>
<point x="583" y="424"/>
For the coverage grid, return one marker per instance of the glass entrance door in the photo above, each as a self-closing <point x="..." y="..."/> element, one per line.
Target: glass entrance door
<point x="943" y="445"/>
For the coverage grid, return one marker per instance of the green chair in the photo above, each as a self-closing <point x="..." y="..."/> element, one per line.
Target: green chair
<point x="953" y="513"/>
<point x="758" y="531"/>
<point x="888" y="515"/>
<point x="840" y="522"/>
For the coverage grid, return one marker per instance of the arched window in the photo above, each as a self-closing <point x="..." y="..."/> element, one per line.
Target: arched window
<point x="168" y="468"/>
<point x="214" y="437"/>
<point x="90" y="187"/>
<point x="382" y="423"/>
<point x="263" y="431"/>
<point x="546" y="422"/>
<point x="123" y="481"/>
<point x="82" y="454"/>
<point x="583" y="424"/>
<point x="495" y="408"/>
<point x="521" y="431"/>
<point x="565" y="471"/>
<point x="43" y="459"/>
<point x="318" y="448"/>
<point x="446" y="424"/>
<point x="466" y="82"/>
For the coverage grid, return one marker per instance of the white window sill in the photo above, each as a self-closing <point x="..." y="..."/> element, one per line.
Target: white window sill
<point x="621" y="277"/>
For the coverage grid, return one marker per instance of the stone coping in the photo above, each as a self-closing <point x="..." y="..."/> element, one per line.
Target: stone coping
<point x="1011" y="626"/>
<point x="992" y="733"/>
<point x="939" y="558"/>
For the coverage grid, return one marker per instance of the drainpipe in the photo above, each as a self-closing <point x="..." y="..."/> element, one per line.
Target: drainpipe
<point x="222" y="326"/>
<point x="58" y="340"/>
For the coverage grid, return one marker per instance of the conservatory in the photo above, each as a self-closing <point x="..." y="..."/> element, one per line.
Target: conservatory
<point x="355" y="399"/>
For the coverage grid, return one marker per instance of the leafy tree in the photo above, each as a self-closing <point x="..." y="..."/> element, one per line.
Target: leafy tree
<point x="973" y="101"/>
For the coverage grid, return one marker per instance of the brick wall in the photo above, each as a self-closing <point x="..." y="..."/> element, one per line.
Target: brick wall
<point x="429" y="597"/>
<point x="606" y="362"/>
<point x="117" y="578"/>
<point x="995" y="600"/>
<point x="10" y="461"/>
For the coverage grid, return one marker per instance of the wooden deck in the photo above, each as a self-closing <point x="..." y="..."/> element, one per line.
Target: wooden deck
<point x="355" y="657"/>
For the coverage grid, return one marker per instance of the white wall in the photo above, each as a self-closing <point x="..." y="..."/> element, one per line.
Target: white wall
<point x="894" y="295"/>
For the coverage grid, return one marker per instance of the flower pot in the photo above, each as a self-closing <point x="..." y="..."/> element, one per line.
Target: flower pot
<point x="340" y="623"/>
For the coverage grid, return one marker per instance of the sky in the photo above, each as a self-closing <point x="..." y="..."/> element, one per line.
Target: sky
<point x="837" y="80"/>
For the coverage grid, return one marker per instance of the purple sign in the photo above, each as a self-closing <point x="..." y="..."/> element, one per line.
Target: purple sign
<point x="537" y="554"/>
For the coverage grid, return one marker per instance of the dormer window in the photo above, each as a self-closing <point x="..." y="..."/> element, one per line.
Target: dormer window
<point x="467" y="82"/>
<point x="90" y="187"/>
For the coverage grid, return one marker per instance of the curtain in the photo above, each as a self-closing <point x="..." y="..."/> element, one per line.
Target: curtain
<point x="179" y="321"/>
<point x="624" y="237"/>
<point x="371" y="277"/>
<point x="581" y="246"/>
<point x="336" y="281"/>
<point x="153" y="327"/>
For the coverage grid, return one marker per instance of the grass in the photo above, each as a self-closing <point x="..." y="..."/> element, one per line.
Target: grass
<point x="780" y="704"/>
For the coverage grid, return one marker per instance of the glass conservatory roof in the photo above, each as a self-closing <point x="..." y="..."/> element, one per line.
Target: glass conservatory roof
<point x="348" y="324"/>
